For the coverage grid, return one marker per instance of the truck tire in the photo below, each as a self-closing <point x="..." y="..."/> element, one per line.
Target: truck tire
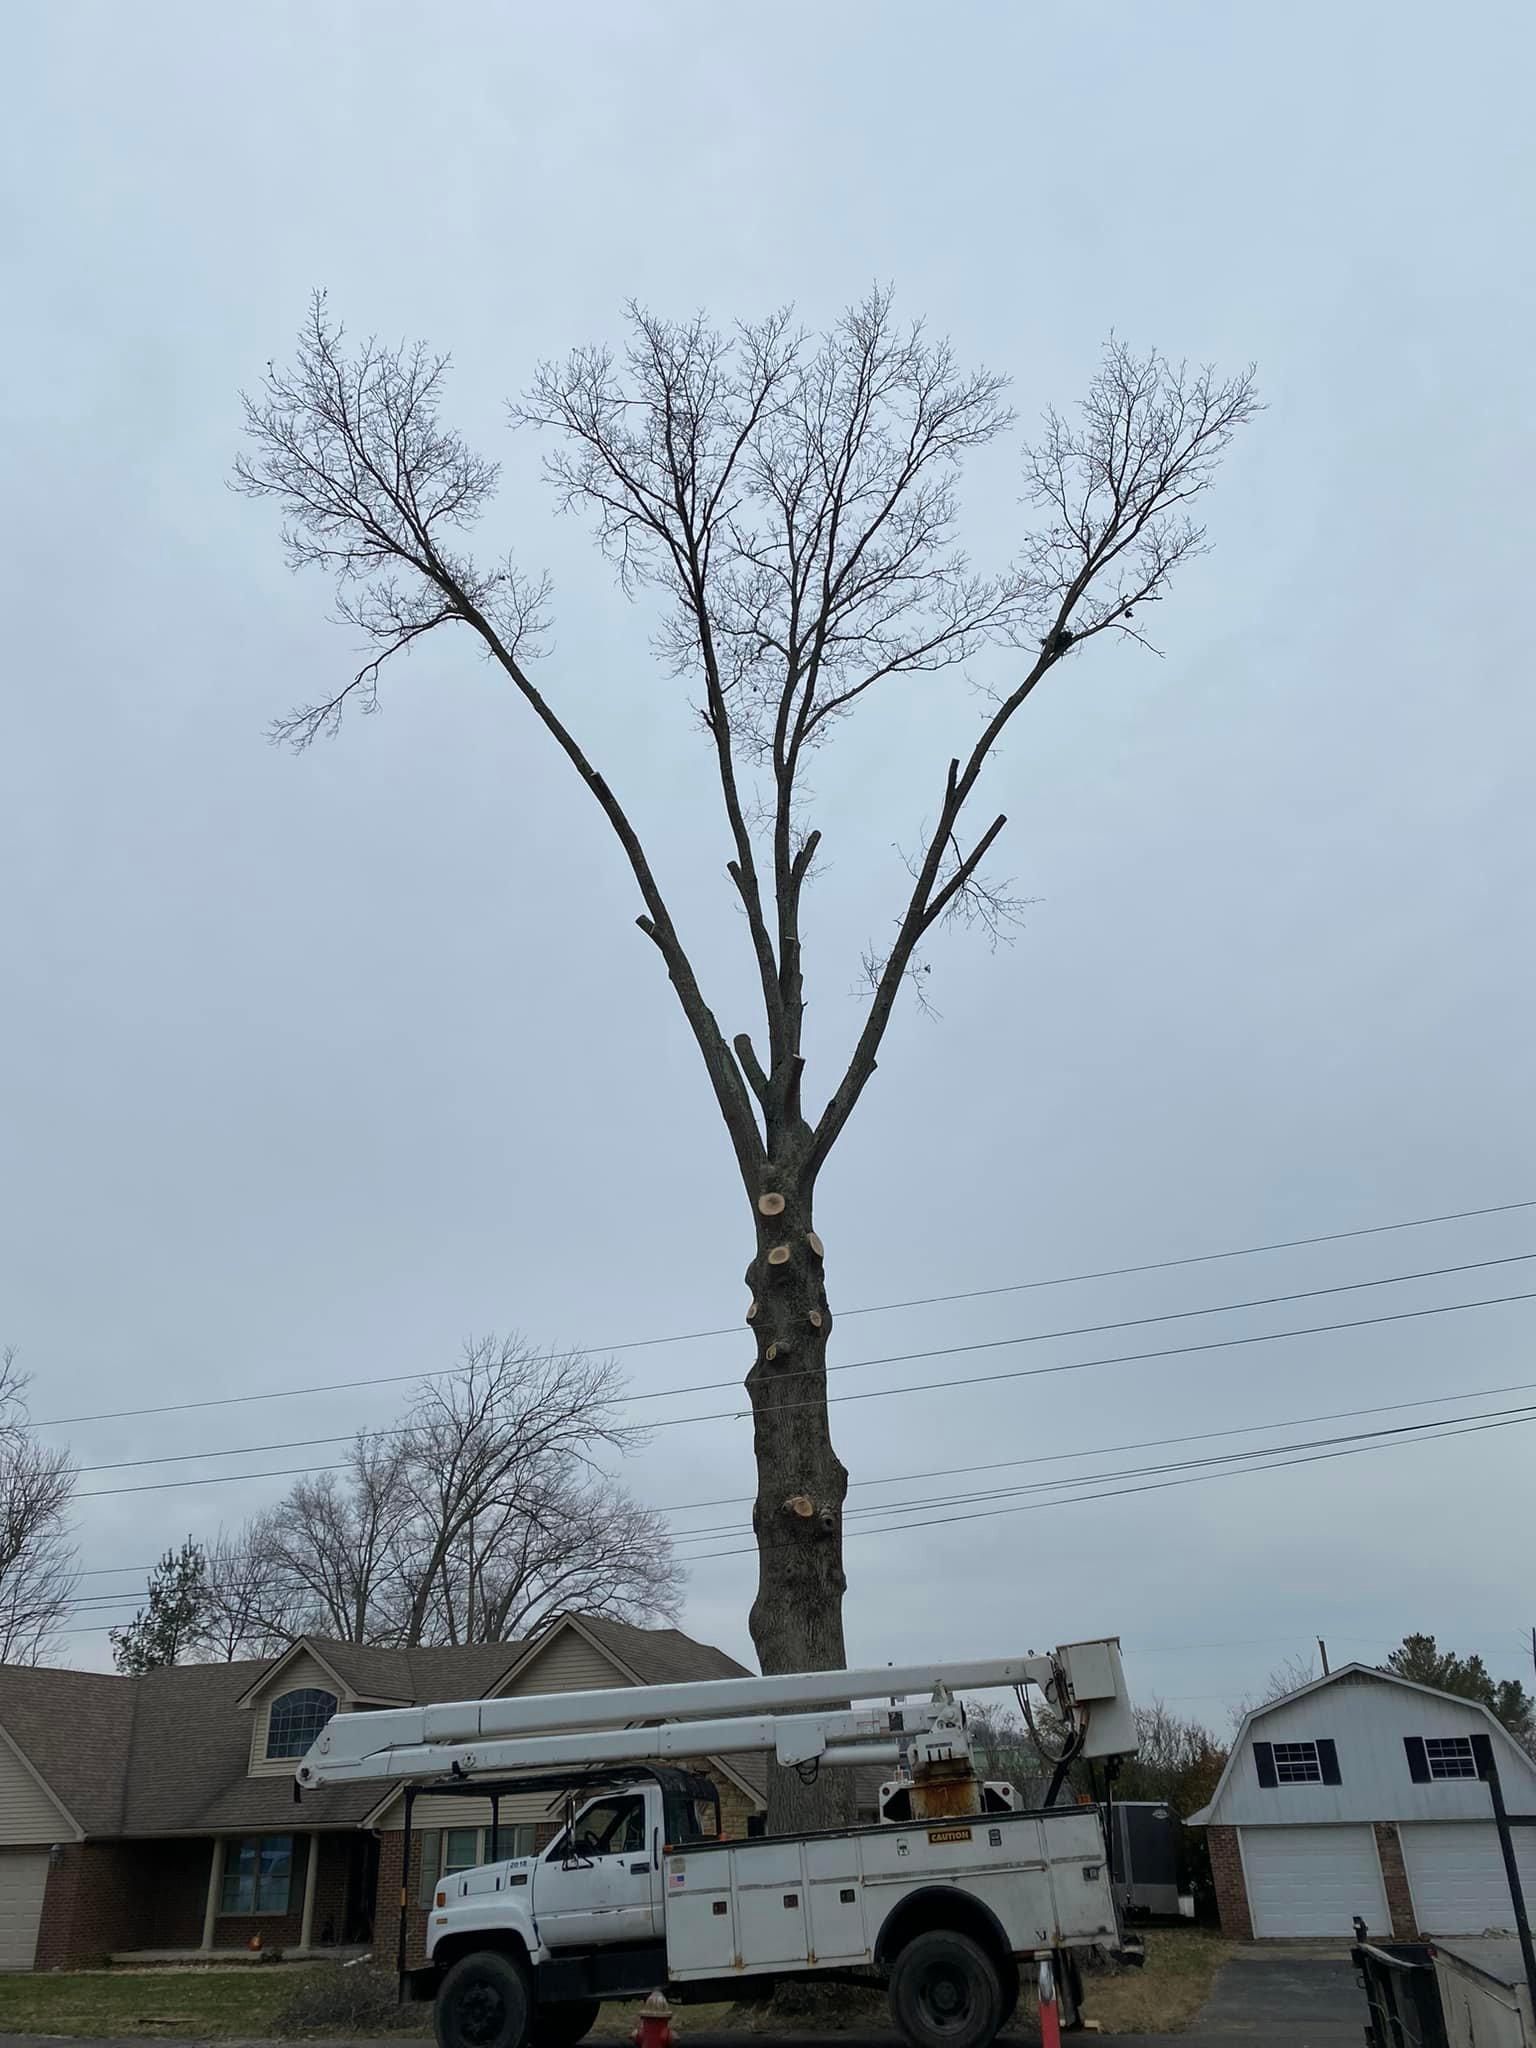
<point x="946" y="1992"/>
<point x="563" y="2025"/>
<point x="483" y="2002"/>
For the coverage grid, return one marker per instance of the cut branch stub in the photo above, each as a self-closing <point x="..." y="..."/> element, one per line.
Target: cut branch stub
<point x="815" y="1318"/>
<point x="770" y="1205"/>
<point x="800" y="1504"/>
<point x="772" y="1352"/>
<point x="779" y="1256"/>
<point x="751" y="1311"/>
<point x="815" y="1244"/>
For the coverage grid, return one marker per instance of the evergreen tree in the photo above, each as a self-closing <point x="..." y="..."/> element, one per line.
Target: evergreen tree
<point x="173" y="1622"/>
<point x="1421" y="1659"/>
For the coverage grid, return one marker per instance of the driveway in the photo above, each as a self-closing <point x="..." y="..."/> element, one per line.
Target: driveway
<point x="1275" y="1998"/>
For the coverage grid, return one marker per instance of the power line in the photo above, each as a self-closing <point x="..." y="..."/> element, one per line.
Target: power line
<point x="1406" y="1431"/>
<point x="1245" y="1251"/>
<point x="875" y="1308"/>
<point x="922" y="1387"/>
<point x="1009" y="1464"/>
<point x="865" y="1364"/>
<point x="1146" y="1444"/>
<point x="1121" y="1493"/>
<point x="1467" y="1427"/>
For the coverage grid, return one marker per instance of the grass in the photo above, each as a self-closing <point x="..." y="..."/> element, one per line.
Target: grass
<point x="1165" y="1994"/>
<point x="198" y="2003"/>
<point x="244" y="2002"/>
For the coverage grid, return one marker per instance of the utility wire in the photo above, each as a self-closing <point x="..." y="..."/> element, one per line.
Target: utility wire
<point x="1526" y="1411"/>
<point x="1120" y="1493"/>
<point x="1155" y="1443"/>
<point x="1177" y="1315"/>
<point x="922" y="1387"/>
<point x="875" y="1308"/>
<point x="1243" y="1251"/>
<point x="1467" y="1428"/>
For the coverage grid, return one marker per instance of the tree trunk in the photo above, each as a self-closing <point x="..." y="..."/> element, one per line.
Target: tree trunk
<point x="797" y="1616"/>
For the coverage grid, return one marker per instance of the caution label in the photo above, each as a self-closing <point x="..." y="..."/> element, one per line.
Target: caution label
<point x="949" y="1834"/>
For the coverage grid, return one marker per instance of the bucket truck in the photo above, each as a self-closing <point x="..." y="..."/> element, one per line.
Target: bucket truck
<point x="638" y="1891"/>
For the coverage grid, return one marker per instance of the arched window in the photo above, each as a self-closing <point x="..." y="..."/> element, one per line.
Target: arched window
<point x="296" y="1719"/>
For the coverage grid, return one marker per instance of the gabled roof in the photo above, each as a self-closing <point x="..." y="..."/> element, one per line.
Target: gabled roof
<point x="1357" y="1672"/>
<point x="392" y="1677"/>
<point x="72" y="1728"/>
<point x="168" y="1752"/>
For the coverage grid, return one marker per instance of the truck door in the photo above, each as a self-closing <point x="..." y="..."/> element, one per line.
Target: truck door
<point x="600" y="1884"/>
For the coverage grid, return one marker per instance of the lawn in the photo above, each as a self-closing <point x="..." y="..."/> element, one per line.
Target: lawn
<point x="197" y="2003"/>
<point x="243" y="2003"/>
<point x="1165" y="1994"/>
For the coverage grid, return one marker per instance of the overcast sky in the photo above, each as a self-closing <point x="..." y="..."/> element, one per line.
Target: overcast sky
<point x="313" y="1067"/>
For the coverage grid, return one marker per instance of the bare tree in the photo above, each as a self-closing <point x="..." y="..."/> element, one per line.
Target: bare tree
<point x="792" y="501"/>
<point x="331" y="1548"/>
<point x="483" y="1513"/>
<point x="37" y="1557"/>
<point x="250" y="1608"/>
<point x="510" y="1511"/>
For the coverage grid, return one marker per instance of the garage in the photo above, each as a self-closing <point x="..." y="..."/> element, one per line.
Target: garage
<point x="1312" y="1880"/>
<point x="23" y="1880"/>
<point x="1456" y="1875"/>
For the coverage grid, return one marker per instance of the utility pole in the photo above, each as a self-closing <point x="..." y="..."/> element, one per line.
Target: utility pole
<point x="1322" y="1650"/>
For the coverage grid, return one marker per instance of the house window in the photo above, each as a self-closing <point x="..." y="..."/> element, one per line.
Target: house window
<point x="1450" y="1756"/>
<point x="1296" y="1764"/>
<point x="296" y="1719"/>
<point x="258" y="1875"/>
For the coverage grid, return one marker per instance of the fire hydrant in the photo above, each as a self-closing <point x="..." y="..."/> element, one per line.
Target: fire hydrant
<point x="653" y="2029"/>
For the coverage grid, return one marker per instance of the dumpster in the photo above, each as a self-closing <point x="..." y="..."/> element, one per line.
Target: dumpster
<point x="1403" y="1993"/>
<point x="1483" y="1993"/>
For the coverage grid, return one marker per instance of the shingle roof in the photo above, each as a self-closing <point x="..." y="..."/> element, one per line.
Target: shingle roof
<point x="169" y="1752"/>
<point x="74" y="1728"/>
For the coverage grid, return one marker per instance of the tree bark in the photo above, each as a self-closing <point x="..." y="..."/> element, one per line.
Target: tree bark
<point x="797" y="1615"/>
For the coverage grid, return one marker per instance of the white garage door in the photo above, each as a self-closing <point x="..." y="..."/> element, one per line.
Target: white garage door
<point x="23" y="1877"/>
<point x="1312" y="1880"/>
<point x="1456" y="1875"/>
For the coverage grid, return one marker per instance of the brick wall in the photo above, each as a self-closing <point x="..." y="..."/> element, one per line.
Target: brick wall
<point x="1231" y="1890"/>
<point x="1395" y="1879"/>
<point x="386" y="1917"/>
<point x="92" y="1905"/>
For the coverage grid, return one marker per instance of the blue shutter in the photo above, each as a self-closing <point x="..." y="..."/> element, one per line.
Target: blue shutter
<point x="1264" y="1762"/>
<point x="1418" y="1759"/>
<point x="1328" y="1761"/>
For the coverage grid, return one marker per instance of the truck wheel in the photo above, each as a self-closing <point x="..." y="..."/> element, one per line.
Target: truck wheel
<point x="482" y="2003"/>
<point x="946" y="1992"/>
<point x="563" y="2025"/>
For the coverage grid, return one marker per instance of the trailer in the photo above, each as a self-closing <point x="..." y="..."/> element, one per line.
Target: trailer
<point x="947" y="1907"/>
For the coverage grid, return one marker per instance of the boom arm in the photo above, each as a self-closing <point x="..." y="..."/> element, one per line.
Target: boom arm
<point x="1084" y="1682"/>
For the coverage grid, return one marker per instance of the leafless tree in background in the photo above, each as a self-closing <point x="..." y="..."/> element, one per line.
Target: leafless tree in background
<point x="37" y="1557"/>
<point x="792" y="501"/>
<point x="484" y="1513"/>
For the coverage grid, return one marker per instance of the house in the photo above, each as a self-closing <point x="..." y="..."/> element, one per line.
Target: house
<point x="1359" y="1795"/>
<point x="156" y="1814"/>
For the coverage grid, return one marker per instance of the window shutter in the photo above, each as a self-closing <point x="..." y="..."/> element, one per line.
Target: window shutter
<point x="429" y="1849"/>
<point x="1418" y="1761"/>
<point x="1482" y="1755"/>
<point x="1328" y="1761"/>
<point x="1264" y="1762"/>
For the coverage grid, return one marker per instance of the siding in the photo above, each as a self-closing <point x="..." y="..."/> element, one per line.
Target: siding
<point x="568" y="1664"/>
<point x="301" y="1672"/>
<point x="28" y="1814"/>
<point x="1367" y="1719"/>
